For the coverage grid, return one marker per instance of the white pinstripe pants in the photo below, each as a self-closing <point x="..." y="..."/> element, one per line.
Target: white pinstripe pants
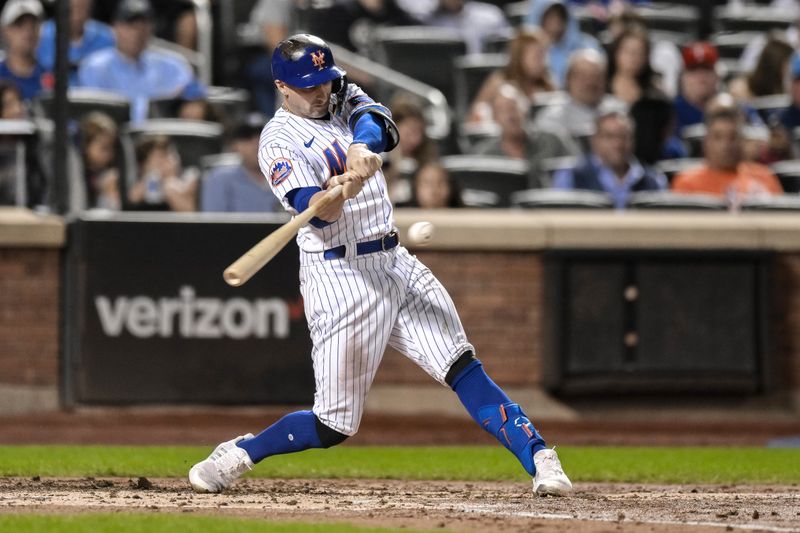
<point x="355" y="307"/>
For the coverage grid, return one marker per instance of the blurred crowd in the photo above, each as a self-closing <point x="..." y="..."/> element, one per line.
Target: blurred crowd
<point x="615" y="97"/>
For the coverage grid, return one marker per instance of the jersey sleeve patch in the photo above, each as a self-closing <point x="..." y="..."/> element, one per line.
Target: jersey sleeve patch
<point x="279" y="170"/>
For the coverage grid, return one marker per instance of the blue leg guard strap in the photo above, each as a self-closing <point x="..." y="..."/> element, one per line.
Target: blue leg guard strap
<point x="511" y="427"/>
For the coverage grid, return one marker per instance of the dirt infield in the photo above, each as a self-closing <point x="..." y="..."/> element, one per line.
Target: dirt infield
<point x="451" y="506"/>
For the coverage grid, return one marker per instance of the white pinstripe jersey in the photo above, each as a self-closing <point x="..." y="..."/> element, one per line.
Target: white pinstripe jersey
<point x="297" y="152"/>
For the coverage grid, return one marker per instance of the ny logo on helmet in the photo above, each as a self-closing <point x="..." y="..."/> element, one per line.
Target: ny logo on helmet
<point x="319" y="59"/>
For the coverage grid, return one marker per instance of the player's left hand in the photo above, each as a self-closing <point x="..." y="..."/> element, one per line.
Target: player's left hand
<point x="351" y="182"/>
<point x="362" y="161"/>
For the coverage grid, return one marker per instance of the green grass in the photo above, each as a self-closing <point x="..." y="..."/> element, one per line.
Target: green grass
<point x="143" y="523"/>
<point x="637" y="465"/>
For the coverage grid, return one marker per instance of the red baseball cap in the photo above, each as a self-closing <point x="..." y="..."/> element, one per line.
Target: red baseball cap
<point x="699" y="55"/>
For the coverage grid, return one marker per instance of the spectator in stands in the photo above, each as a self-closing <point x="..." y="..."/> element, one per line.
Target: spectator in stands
<point x="413" y="151"/>
<point x="790" y="117"/>
<point x="509" y="109"/>
<point x="435" y="188"/>
<point x="240" y="188"/>
<point x="724" y="172"/>
<point x="630" y="76"/>
<point x="162" y="183"/>
<point x="272" y="17"/>
<point x="770" y="74"/>
<point x="665" y="57"/>
<point x="790" y="9"/>
<point x="352" y="23"/>
<point x="586" y="83"/>
<point x="655" y="139"/>
<point x="176" y="21"/>
<point x="98" y="149"/>
<point x="526" y="70"/>
<point x="85" y="37"/>
<point x="611" y="167"/>
<point x="132" y="70"/>
<point x="699" y="83"/>
<point x="21" y="21"/>
<point x="561" y="27"/>
<point x="12" y="107"/>
<point x="476" y="21"/>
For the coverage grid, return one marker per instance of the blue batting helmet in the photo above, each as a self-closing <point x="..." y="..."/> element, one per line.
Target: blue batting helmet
<point x="304" y="61"/>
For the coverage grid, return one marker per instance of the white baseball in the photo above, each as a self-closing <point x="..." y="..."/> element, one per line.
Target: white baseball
<point x="420" y="233"/>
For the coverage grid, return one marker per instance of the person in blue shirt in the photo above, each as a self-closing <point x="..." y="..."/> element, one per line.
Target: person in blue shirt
<point x="85" y="35"/>
<point x="555" y="17"/>
<point x="611" y="166"/>
<point x="21" y="21"/>
<point x="790" y="117"/>
<point x="240" y="188"/>
<point x="138" y="73"/>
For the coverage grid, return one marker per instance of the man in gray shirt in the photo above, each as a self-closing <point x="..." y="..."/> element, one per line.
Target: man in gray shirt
<point x="241" y="187"/>
<point x="532" y="143"/>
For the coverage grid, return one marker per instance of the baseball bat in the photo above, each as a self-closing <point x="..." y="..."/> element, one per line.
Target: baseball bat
<point x="259" y="255"/>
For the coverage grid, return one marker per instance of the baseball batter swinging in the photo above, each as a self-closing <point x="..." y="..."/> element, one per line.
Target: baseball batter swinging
<point x="362" y="289"/>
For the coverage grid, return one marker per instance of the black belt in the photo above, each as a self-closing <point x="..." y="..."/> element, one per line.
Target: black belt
<point x="387" y="242"/>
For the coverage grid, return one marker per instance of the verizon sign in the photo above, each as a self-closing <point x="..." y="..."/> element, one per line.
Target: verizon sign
<point x="150" y="319"/>
<point x="191" y="317"/>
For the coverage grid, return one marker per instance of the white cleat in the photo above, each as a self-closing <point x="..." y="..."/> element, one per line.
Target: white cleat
<point x="226" y="463"/>
<point x="550" y="479"/>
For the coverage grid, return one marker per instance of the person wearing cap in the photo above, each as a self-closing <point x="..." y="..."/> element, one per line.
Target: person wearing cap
<point x="790" y="117"/>
<point x="240" y="188"/>
<point x="86" y="36"/>
<point x="133" y="70"/>
<point x="21" y="21"/>
<point x="698" y="84"/>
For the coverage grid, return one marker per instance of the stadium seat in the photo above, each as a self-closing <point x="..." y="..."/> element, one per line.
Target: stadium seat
<point x="693" y="137"/>
<point x="193" y="139"/>
<point x="551" y="165"/>
<point x="671" y="17"/>
<point x="224" y="159"/>
<point x="475" y="133"/>
<point x="476" y="198"/>
<point x="788" y="173"/>
<point x="675" y="201"/>
<point x="750" y="18"/>
<point x="496" y="44"/>
<point x="560" y="199"/>
<point x="470" y="73"/>
<point x="516" y="12"/>
<point x="768" y="105"/>
<point x="731" y="44"/>
<point x="673" y="167"/>
<point x="547" y="98"/>
<point x="84" y="100"/>
<point x="15" y="139"/>
<point x="496" y="174"/>
<point x="233" y="104"/>
<point x="788" y="203"/>
<point x="402" y="49"/>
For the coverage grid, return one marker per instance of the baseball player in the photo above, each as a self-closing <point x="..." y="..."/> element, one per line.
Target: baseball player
<point x="361" y="289"/>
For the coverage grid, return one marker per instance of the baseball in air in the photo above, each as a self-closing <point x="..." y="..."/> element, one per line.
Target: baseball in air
<point x="420" y="233"/>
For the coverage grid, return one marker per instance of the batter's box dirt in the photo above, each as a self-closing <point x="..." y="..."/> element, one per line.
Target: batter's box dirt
<point x="453" y="506"/>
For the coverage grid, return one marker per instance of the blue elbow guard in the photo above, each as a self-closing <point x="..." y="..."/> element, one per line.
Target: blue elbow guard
<point x="511" y="427"/>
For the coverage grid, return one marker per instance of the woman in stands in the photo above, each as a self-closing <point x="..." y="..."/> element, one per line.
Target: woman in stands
<point x="98" y="142"/>
<point x="630" y="76"/>
<point x="526" y="70"/>
<point x="414" y="150"/>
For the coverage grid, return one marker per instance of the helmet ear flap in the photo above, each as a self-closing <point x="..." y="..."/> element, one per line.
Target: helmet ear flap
<point x="338" y="94"/>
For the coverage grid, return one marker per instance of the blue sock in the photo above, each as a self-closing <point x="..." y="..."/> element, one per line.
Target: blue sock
<point x="492" y="409"/>
<point x="294" y="432"/>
